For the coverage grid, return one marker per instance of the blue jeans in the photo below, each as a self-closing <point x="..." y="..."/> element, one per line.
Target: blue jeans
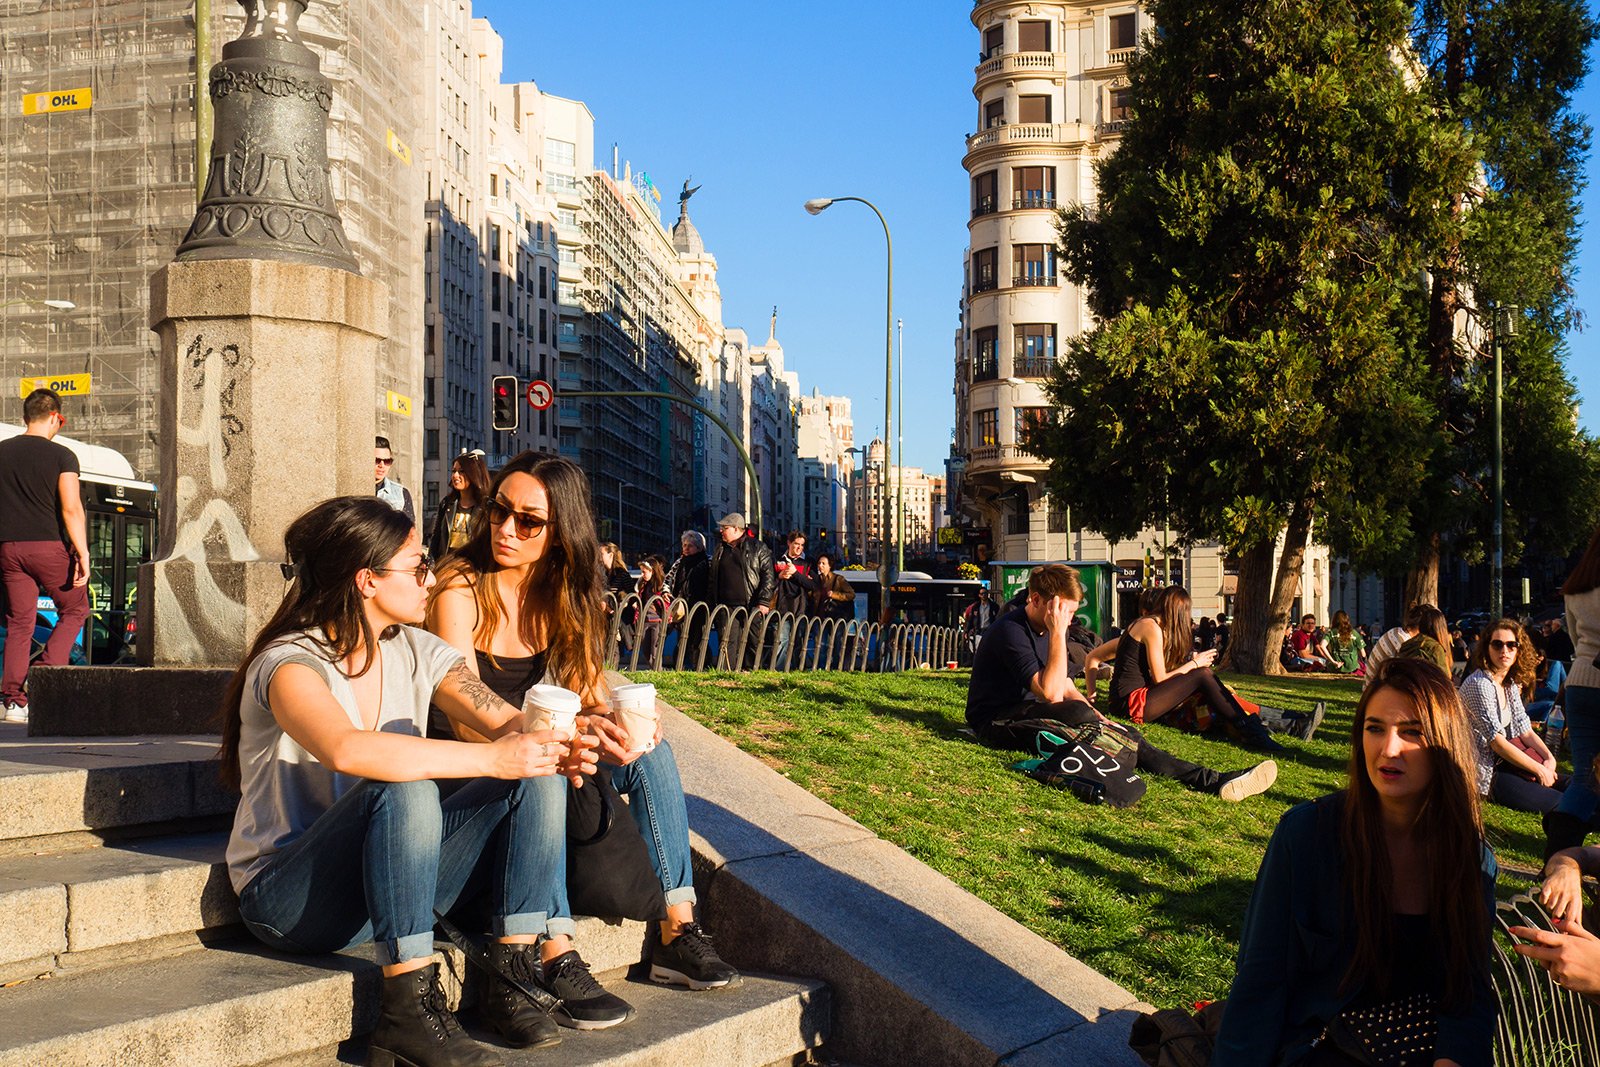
<point x="655" y="796"/>
<point x="1583" y="737"/>
<point x="376" y="865"/>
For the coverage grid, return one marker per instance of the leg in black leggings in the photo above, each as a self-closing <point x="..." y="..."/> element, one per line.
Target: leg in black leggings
<point x="1177" y="688"/>
<point x="1017" y="731"/>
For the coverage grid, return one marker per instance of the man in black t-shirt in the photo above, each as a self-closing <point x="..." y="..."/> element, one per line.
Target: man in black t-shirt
<point x="44" y="545"/>
<point x="1022" y="683"/>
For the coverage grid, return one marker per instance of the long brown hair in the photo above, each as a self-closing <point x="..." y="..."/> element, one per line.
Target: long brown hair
<point x="476" y="472"/>
<point x="1449" y="832"/>
<point x="1522" y="668"/>
<point x="1341" y="624"/>
<point x="1586" y="575"/>
<point x="563" y="598"/>
<point x="1177" y="629"/>
<point x="652" y="586"/>
<point x="326" y="548"/>
<point x="1431" y="623"/>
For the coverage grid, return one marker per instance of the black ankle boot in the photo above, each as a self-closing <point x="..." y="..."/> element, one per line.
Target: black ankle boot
<point x="512" y="1015"/>
<point x="416" y="1029"/>
<point x="1253" y="734"/>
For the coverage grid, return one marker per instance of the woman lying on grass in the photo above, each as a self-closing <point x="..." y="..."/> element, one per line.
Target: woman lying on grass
<point x="1372" y="908"/>
<point x="340" y="836"/>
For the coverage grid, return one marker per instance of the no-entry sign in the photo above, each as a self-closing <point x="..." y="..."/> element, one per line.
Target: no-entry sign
<point x="540" y="395"/>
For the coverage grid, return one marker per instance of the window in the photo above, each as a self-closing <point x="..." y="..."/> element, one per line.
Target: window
<point x="431" y="444"/>
<point x="1033" y="187"/>
<point x="494" y="242"/>
<point x="986" y="427"/>
<point x="1033" y="109"/>
<point x="1035" y="353"/>
<point x="1123" y="34"/>
<point x="983" y="193"/>
<point x="543" y="282"/>
<point x="985" y="354"/>
<point x="1017" y="517"/>
<point x="993" y="41"/>
<point x="1119" y="105"/>
<point x="569" y="256"/>
<point x="567" y="217"/>
<point x="994" y="113"/>
<point x="568" y="294"/>
<point x="494" y="185"/>
<point x="1033" y="35"/>
<point x="563" y="182"/>
<point x="562" y="152"/>
<point x="984" y="272"/>
<point x="494" y="292"/>
<point x="1028" y="419"/>
<point x="543" y="332"/>
<point x="1060" y="517"/>
<point x="495" y="346"/>
<point x="1033" y="265"/>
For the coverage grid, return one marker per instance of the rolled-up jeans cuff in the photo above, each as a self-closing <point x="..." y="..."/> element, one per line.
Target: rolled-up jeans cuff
<point x="525" y="925"/>
<point x="561" y="926"/>
<point x="410" y="947"/>
<point x="684" y="893"/>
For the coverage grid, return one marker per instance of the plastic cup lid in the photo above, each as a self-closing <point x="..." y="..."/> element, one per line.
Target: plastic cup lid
<point x="635" y="691"/>
<point x="554" y="699"/>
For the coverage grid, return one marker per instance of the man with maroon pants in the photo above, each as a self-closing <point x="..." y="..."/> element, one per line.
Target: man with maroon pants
<point x="44" y="545"/>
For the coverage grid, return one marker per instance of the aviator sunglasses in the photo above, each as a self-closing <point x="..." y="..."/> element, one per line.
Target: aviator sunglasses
<point x="1502" y="646"/>
<point x="527" y="525"/>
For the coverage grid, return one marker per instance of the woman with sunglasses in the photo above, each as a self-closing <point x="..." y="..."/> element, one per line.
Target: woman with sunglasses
<point x="524" y="601"/>
<point x="1515" y="767"/>
<point x="341" y="836"/>
<point x="469" y="488"/>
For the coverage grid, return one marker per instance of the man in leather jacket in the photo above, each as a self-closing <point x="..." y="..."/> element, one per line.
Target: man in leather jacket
<point x="742" y="576"/>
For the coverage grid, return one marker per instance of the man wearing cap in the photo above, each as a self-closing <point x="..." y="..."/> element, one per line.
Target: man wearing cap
<point x="742" y="576"/>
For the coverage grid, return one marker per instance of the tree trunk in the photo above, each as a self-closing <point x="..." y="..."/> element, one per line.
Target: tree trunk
<point x="1247" y="650"/>
<point x="1290" y="566"/>
<point x="1422" y="581"/>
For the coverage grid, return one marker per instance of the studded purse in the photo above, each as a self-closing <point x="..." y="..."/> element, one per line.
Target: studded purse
<point x="1396" y="1033"/>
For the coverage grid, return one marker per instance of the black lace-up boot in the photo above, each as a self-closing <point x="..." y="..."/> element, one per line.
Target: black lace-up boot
<point x="416" y="1029"/>
<point x="512" y="1015"/>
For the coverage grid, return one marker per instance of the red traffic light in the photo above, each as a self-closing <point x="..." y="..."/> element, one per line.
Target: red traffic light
<point x="506" y="413"/>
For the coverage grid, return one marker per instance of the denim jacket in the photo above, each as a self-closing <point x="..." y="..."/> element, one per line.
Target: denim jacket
<point x="1296" y="946"/>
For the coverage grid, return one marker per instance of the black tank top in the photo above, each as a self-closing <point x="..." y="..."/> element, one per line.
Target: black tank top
<point x="510" y="677"/>
<point x="1130" y="671"/>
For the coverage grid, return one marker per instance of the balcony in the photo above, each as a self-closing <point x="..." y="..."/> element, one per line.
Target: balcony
<point x="1020" y="63"/>
<point x="985" y="284"/>
<point x="1120" y="55"/>
<point x="985" y="206"/>
<point x="1023" y="133"/>
<point x="986" y="368"/>
<point x="1034" y="281"/>
<point x="981" y="458"/>
<point x="1032" y="199"/>
<point x="1037" y="367"/>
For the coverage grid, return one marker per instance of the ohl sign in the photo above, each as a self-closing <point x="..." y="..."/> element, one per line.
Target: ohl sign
<point x="58" y="100"/>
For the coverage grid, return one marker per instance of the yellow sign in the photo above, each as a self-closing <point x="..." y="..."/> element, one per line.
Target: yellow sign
<point x="399" y="148"/>
<point x="65" y="384"/>
<point x="400" y="405"/>
<point x="58" y="100"/>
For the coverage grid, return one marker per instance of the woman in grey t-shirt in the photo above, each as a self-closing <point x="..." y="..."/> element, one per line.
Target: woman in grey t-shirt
<point x="340" y="836"/>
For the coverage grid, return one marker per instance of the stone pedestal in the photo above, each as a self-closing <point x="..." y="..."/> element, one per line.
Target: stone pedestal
<point x="269" y="404"/>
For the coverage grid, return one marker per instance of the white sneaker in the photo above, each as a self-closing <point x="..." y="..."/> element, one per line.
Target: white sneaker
<point x="1238" y="785"/>
<point x="16" y="713"/>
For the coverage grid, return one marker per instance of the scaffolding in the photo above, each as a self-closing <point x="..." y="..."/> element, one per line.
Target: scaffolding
<point x="93" y="201"/>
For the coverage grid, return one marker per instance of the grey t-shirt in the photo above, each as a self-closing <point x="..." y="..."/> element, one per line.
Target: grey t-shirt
<point x="285" y="787"/>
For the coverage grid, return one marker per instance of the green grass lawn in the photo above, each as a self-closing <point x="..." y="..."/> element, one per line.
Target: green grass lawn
<point x="1152" y="896"/>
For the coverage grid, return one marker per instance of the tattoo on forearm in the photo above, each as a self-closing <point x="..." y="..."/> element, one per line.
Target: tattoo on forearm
<point x="471" y="688"/>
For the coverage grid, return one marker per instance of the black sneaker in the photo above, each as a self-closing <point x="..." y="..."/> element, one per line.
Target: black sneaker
<point x="690" y="960"/>
<point x="585" y="1005"/>
<point x="1236" y="785"/>
<point x="1307" y="724"/>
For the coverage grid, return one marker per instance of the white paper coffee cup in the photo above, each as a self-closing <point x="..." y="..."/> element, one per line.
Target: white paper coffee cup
<point x="550" y="707"/>
<point x="635" y="708"/>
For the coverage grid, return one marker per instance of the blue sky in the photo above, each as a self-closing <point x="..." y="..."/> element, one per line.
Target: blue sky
<point x="770" y="109"/>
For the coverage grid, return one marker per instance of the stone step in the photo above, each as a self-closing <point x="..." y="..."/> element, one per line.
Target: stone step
<point x="92" y="907"/>
<point x="56" y="792"/>
<point x="221" y="1007"/>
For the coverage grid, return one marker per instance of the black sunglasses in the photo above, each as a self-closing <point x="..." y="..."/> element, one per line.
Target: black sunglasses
<point x="1503" y="646"/>
<point x="527" y="525"/>
<point x="420" y="571"/>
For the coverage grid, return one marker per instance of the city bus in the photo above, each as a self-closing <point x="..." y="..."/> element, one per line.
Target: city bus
<point x="915" y="597"/>
<point x="121" y="513"/>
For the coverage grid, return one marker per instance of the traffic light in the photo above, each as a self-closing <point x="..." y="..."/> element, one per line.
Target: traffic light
<point x="506" y="409"/>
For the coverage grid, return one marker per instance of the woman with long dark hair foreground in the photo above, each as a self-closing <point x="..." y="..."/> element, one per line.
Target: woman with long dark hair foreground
<point x="524" y="601"/>
<point x="1370" y="920"/>
<point x="340" y="835"/>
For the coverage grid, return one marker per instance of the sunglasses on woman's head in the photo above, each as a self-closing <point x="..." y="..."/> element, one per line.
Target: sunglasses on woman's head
<point x="420" y="571"/>
<point x="527" y="525"/>
<point x="1503" y="646"/>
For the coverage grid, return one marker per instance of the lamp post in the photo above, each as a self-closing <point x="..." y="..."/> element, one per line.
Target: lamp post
<point x="900" y="451"/>
<point x="816" y="207"/>
<point x="1507" y="314"/>
<point x="621" y="485"/>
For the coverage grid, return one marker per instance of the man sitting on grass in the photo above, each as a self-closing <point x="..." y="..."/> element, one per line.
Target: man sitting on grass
<point x="1021" y="684"/>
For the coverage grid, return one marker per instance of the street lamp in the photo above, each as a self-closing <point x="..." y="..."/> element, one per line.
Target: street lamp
<point x="621" y="485"/>
<point x="816" y="207"/>
<point x="54" y="305"/>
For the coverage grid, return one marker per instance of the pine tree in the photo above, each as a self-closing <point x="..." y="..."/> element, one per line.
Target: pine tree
<point x="1253" y="262"/>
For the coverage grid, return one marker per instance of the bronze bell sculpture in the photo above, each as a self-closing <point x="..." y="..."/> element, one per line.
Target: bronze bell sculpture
<point x="268" y="194"/>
